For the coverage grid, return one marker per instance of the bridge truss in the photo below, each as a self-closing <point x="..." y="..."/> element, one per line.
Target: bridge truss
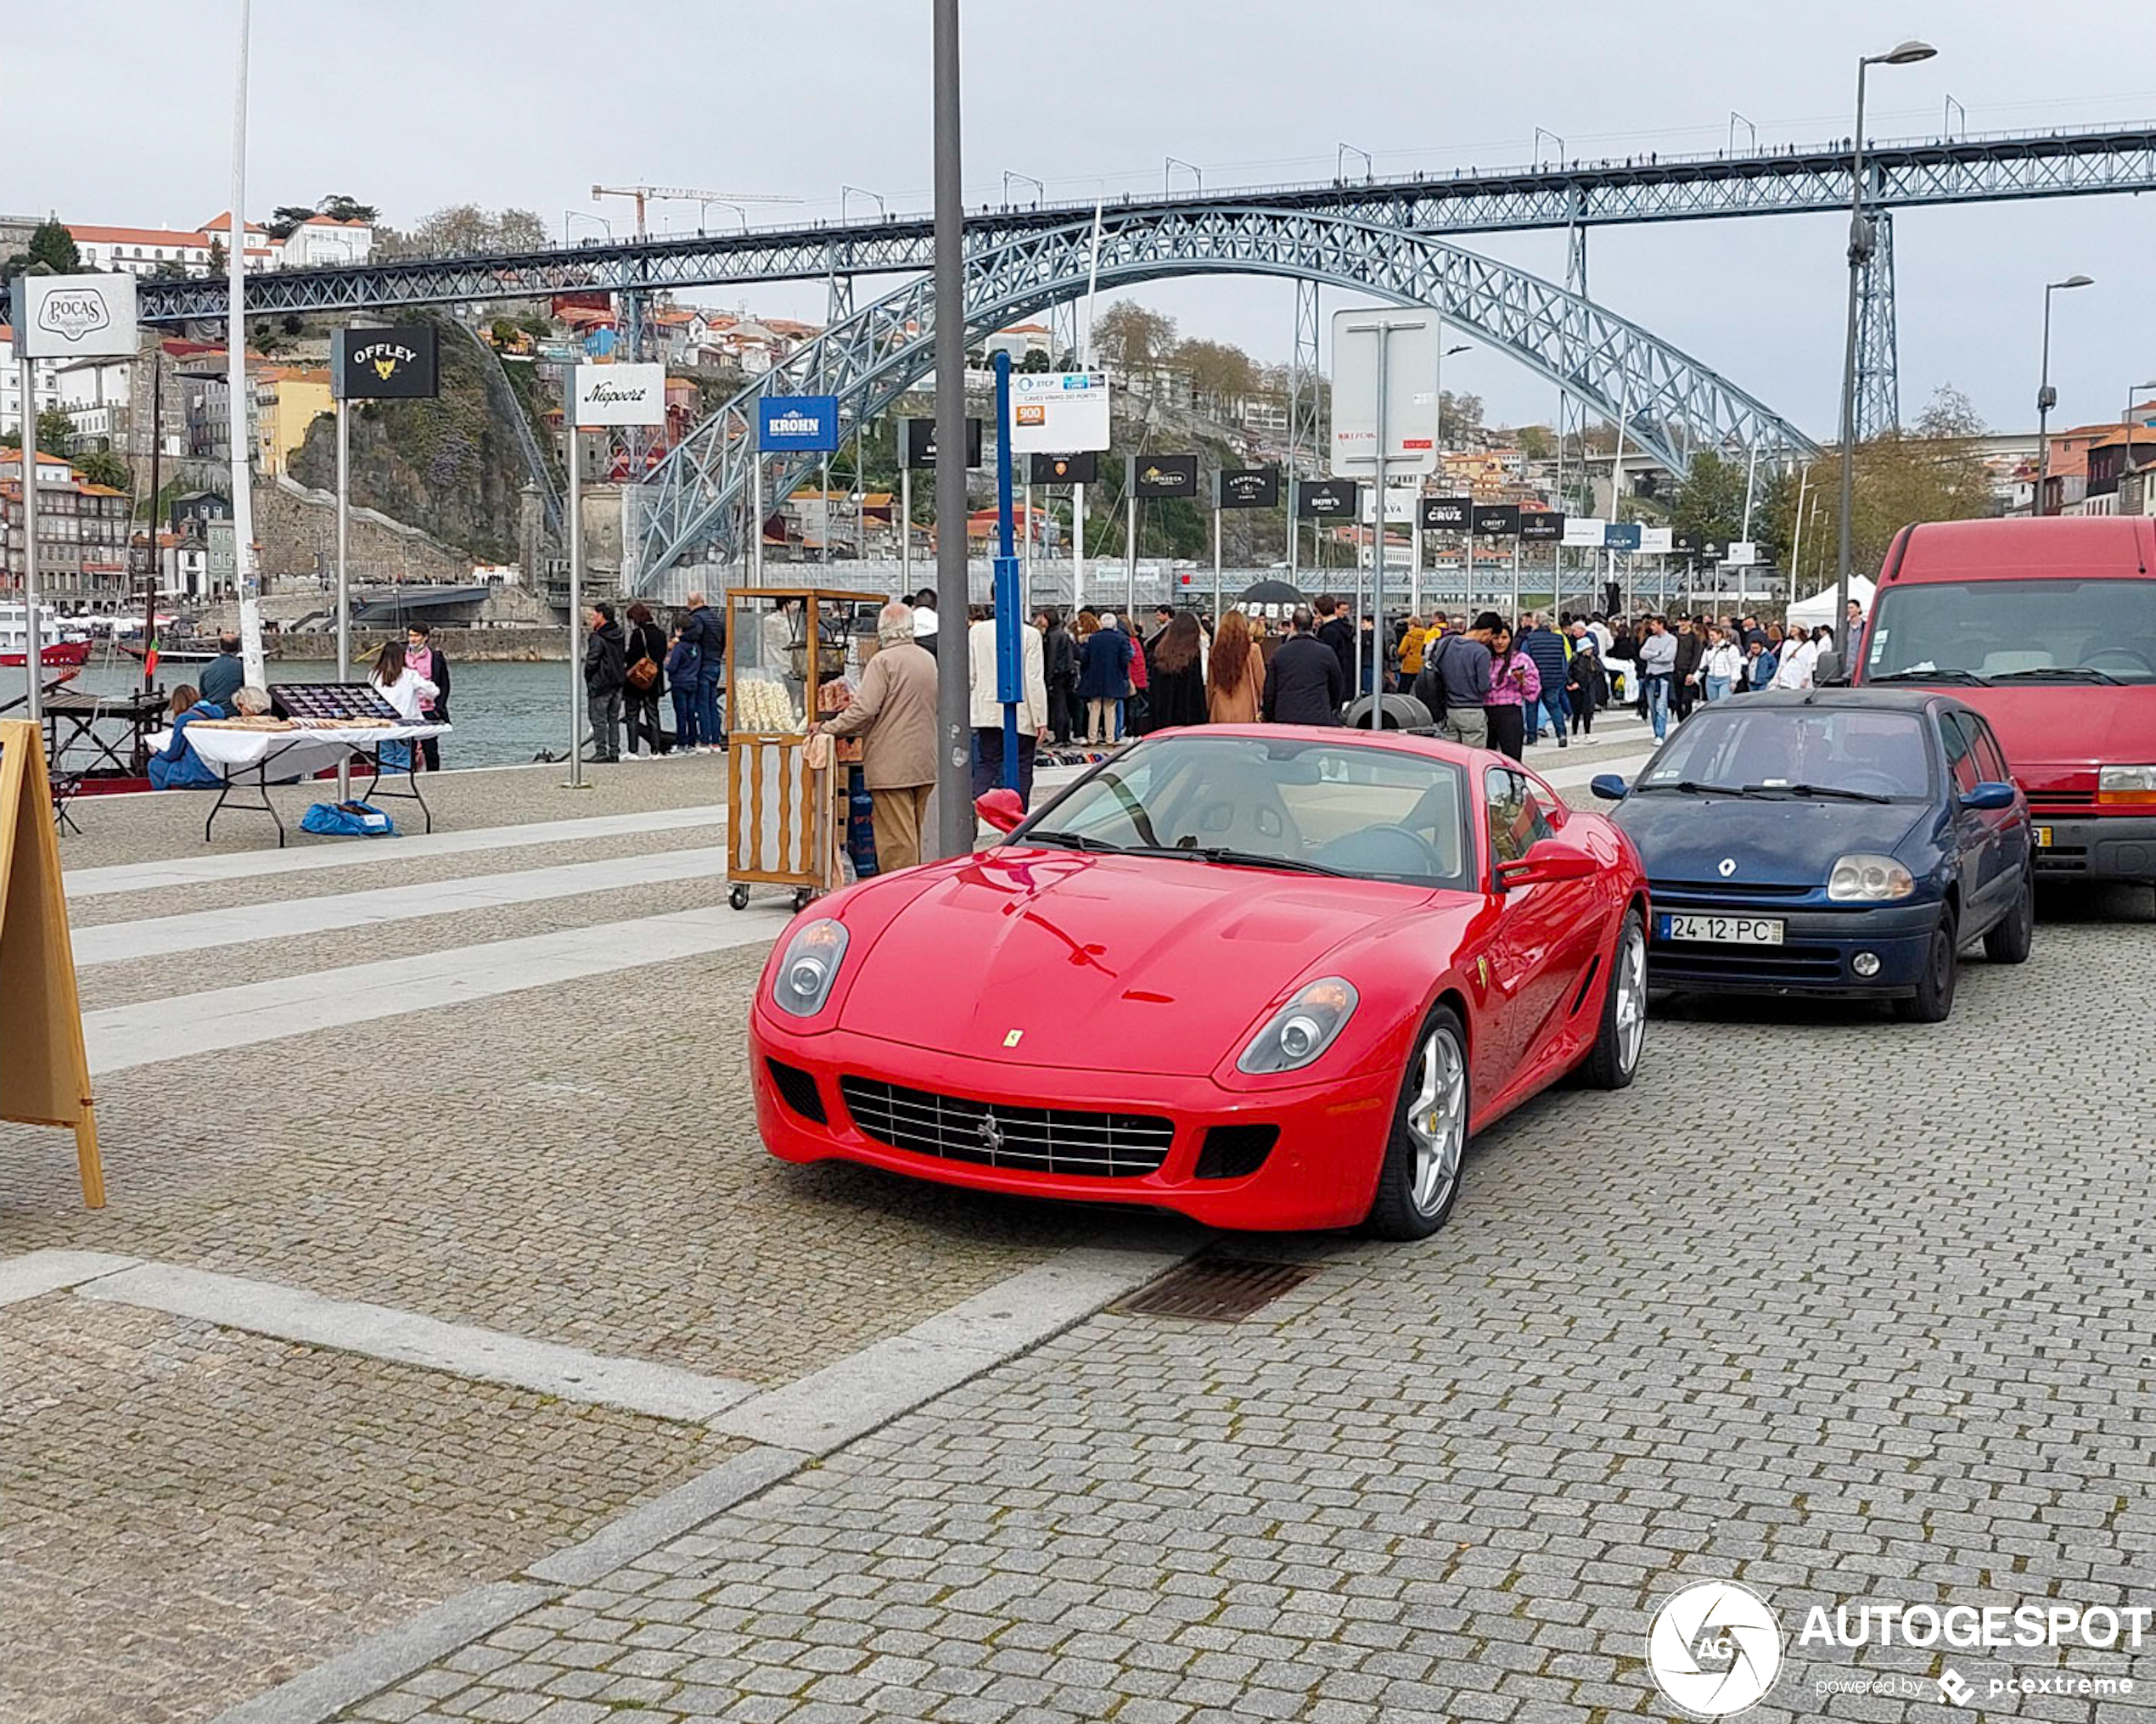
<point x="1672" y="404"/>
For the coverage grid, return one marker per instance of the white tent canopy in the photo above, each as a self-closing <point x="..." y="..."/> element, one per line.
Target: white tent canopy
<point x="1820" y="608"/>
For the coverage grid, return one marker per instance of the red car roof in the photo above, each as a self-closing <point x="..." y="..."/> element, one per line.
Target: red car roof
<point x="2084" y="546"/>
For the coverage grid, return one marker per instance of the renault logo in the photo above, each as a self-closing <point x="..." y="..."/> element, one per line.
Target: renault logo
<point x="1728" y="867"/>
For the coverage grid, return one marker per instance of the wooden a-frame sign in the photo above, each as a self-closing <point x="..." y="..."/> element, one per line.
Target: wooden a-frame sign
<point x="44" y="1071"/>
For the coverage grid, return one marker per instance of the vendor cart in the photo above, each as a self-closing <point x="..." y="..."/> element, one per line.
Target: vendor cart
<point x="793" y="653"/>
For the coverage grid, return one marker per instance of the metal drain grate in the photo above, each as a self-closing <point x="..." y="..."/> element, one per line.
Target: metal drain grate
<point x="1216" y="1289"/>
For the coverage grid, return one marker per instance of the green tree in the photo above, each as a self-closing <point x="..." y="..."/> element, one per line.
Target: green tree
<point x="340" y="208"/>
<point x="103" y="467"/>
<point x="52" y="252"/>
<point x="1709" y="504"/>
<point x="1219" y="371"/>
<point x="284" y="218"/>
<point x="1036" y="361"/>
<point x="220" y="258"/>
<point x="1537" y="442"/>
<point x="55" y="431"/>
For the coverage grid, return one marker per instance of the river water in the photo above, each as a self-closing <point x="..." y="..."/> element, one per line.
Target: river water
<point x="503" y="714"/>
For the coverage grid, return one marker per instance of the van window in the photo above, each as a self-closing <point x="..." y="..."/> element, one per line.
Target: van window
<point x="2064" y="630"/>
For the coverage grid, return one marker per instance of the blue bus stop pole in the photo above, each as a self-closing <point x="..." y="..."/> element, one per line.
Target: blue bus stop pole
<point x="1010" y="661"/>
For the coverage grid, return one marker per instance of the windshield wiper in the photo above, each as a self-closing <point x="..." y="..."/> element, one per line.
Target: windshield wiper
<point x="1934" y="675"/>
<point x="1071" y="840"/>
<point x="1693" y="787"/>
<point x="1828" y="790"/>
<point x="2075" y="673"/>
<point x="1241" y="858"/>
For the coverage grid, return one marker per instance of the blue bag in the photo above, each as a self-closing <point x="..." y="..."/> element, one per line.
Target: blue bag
<point x="348" y="820"/>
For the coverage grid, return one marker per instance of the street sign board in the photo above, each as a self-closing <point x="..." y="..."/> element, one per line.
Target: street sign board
<point x="1163" y="475"/>
<point x="1656" y="541"/>
<point x="75" y="316"/>
<point x="1247" y="487"/>
<point x="1325" y="499"/>
<point x="1685" y="544"/>
<point x="1056" y="412"/>
<point x="1542" y="527"/>
<point x="1081" y="469"/>
<point x="1583" y="531"/>
<point x="618" y="395"/>
<point x="917" y="447"/>
<point x="1499" y="520"/>
<point x="1412" y="338"/>
<point x="1621" y="535"/>
<point x="1742" y="553"/>
<point x="399" y="364"/>
<point x="806" y="423"/>
<point x="1447" y="514"/>
<point x="1400" y="505"/>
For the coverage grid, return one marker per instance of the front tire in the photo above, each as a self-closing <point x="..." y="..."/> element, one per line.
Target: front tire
<point x="1420" y="1180"/>
<point x="1614" y="1060"/>
<point x="2009" y="939"/>
<point x="1934" y="1000"/>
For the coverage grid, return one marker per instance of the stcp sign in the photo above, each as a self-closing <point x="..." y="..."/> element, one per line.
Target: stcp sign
<point x="399" y="364"/>
<point x="1057" y="413"/>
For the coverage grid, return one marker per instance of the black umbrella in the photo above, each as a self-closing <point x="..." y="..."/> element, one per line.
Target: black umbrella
<point x="1259" y="592"/>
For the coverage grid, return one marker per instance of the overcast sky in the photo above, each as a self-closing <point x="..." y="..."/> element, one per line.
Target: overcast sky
<point x="119" y="111"/>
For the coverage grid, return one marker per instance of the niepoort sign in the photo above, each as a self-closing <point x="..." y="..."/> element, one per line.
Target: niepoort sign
<point x="399" y="364"/>
<point x="619" y="395"/>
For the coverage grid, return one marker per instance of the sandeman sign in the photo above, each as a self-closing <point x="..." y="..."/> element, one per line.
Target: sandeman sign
<point x="400" y="364"/>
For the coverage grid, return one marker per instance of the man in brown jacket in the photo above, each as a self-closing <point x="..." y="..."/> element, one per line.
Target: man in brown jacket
<point x="894" y="714"/>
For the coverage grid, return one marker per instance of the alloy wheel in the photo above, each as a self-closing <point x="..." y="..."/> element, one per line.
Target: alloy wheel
<point x="1437" y="1121"/>
<point x="1631" y="994"/>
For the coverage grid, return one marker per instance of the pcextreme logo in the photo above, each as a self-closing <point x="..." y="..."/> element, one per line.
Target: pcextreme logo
<point x="1715" y="1648"/>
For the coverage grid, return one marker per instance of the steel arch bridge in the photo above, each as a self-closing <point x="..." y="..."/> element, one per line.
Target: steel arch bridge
<point x="1670" y="405"/>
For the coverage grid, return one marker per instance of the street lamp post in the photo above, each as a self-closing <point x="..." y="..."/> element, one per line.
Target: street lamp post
<point x="955" y="823"/>
<point x="1860" y="253"/>
<point x="2046" y="396"/>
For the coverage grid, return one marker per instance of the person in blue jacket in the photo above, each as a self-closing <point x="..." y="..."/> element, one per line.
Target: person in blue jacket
<point x="1105" y="680"/>
<point x="682" y="674"/>
<point x="176" y="766"/>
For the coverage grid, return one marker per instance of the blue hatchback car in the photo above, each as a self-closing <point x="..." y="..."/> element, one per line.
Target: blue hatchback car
<point x="1833" y="842"/>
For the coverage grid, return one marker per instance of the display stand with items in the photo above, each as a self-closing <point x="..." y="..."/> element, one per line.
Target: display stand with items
<point x="310" y="727"/>
<point x="794" y="654"/>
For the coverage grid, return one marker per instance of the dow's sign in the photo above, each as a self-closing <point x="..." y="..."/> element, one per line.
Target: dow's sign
<point x="1325" y="499"/>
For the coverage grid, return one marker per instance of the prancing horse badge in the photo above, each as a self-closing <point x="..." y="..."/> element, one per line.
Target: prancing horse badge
<point x="1011" y="1040"/>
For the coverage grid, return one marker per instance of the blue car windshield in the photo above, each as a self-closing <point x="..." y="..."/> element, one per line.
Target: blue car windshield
<point x="1736" y="745"/>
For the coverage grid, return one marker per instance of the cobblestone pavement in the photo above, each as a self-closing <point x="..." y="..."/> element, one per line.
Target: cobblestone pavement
<point x="194" y="1514"/>
<point x="1843" y="1309"/>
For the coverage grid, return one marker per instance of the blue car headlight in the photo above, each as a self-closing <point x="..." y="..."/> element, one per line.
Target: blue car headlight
<point x="1868" y="879"/>
<point x="1301" y="1030"/>
<point x="810" y="967"/>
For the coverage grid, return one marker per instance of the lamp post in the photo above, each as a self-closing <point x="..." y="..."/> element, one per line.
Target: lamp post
<point x="955" y="823"/>
<point x="2046" y="396"/>
<point x="1860" y="253"/>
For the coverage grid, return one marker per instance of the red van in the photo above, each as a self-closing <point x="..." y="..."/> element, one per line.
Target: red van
<point x="2048" y="628"/>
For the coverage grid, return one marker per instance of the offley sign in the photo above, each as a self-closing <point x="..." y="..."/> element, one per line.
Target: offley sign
<point x="618" y="395"/>
<point x="400" y="364"/>
<point x="75" y="316"/>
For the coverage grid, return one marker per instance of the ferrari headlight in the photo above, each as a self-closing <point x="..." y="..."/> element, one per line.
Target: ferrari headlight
<point x="1868" y="879"/>
<point x="1301" y="1030"/>
<point x="811" y="965"/>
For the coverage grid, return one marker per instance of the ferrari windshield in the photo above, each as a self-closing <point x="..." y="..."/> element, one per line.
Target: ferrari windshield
<point x="1321" y="808"/>
<point x="2060" y="630"/>
<point x="1740" y="748"/>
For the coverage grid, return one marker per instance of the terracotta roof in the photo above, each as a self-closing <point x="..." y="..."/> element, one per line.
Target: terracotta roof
<point x="85" y="235"/>
<point x="329" y="222"/>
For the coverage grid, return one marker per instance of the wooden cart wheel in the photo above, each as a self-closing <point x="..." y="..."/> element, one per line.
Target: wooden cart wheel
<point x="737" y="897"/>
<point x="803" y="897"/>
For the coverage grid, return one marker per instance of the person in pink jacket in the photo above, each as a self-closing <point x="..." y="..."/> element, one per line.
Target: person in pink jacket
<point x="1514" y="684"/>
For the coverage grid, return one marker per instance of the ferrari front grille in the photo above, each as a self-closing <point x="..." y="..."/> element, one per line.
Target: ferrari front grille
<point x="1039" y="1140"/>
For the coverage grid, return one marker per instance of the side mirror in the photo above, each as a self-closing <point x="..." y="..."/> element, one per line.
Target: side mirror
<point x="1827" y="669"/>
<point x="1988" y="797"/>
<point x="1000" y="808"/>
<point x="1608" y="786"/>
<point x="1547" y="860"/>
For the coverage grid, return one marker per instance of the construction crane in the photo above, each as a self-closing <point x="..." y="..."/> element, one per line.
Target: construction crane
<point x="681" y="194"/>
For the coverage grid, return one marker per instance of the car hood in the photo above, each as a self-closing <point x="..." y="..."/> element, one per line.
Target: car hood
<point x="1052" y="957"/>
<point x="1780" y="841"/>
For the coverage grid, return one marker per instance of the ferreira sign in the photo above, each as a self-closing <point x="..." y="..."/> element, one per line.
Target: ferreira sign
<point x="399" y="364"/>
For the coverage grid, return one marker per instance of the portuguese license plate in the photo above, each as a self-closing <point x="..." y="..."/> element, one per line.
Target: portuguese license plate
<point x="1724" y="930"/>
<point x="2043" y="838"/>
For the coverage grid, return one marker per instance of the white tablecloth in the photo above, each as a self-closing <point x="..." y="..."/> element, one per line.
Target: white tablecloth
<point x="290" y="753"/>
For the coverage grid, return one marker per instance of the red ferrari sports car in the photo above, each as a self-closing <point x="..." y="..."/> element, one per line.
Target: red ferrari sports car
<point x="1269" y="977"/>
